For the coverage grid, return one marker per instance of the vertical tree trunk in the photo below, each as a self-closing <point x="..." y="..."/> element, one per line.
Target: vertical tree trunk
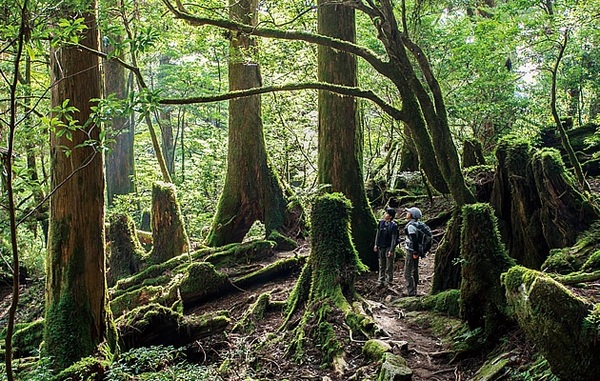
<point x="77" y="318"/>
<point x="119" y="161"/>
<point x="252" y="190"/>
<point x="340" y="134"/>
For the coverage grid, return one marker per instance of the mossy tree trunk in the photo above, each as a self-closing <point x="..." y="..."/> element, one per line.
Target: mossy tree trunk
<point x="326" y="285"/>
<point x="252" y="189"/>
<point x="119" y="160"/>
<point x="77" y="317"/>
<point x="423" y="105"/>
<point x="340" y="152"/>
<point x="168" y="230"/>
<point x="482" y="297"/>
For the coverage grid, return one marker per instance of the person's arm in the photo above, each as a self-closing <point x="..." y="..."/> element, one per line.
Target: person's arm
<point x="412" y="234"/>
<point x="375" y="248"/>
<point x="394" y="240"/>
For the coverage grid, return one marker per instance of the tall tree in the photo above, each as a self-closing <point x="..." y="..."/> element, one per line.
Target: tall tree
<point x="340" y="133"/>
<point x="252" y="190"/>
<point x="119" y="161"/>
<point x="77" y="318"/>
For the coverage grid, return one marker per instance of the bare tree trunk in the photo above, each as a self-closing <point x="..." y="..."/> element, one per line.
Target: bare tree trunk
<point x="119" y="161"/>
<point x="77" y="317"/>
<point x="340" y="134"/>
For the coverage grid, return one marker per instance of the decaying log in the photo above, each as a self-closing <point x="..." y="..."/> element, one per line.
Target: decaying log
<point x="154" y="324"/>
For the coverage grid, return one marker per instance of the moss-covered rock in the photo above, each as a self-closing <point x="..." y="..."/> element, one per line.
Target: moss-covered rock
<point x="154" y="324"/>
<point x="200" y="281"/>
<point x="374" y="349"/>
<point x="394" y="368"/>
<point x="86" y="369"/>
<point x="557" y="321"/>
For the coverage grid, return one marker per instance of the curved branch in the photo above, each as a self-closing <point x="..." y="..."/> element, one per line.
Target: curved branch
<point x="381" y="66"/>
<point x="343" y="90"/>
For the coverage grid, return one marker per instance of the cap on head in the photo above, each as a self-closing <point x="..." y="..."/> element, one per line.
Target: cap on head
<point x="414" y="212"/>
<point x="391" y="212"/>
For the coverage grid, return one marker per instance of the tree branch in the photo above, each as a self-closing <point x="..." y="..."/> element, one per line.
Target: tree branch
<point x="343" y="90"/>
<point x="181" y="13"/>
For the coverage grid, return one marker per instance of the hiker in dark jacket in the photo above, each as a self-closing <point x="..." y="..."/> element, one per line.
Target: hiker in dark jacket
<point x="385" y="243"/>
<point x="411" y="262"/>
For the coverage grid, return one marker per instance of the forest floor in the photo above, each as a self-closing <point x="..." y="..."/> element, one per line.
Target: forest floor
<point x="410" y="336"/>
<point x="258" y="356"/>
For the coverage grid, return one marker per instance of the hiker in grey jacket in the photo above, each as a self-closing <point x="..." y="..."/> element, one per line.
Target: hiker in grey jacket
<point x="411" y="262"/>
<point x="385" y="243"/>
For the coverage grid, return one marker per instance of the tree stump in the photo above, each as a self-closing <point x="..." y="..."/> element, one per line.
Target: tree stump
<point x="327" y="284"/>
<point x="168" y="230"/>
<point x="126" y="252"/>
<point x="482" y="299"/>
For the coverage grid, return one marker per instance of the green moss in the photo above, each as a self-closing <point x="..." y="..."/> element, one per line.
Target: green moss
<point x="86" y="369"/>
<point x="556" y="321"/>
<point x="592" y="263"/>
<point x="282" y="242"/>
<point x="254" y="314"/>
<point x="446" y="302"/>
<point x="68" y="331"/>
<point x="373" y="350"/>
<point x="26" y="338"/>
<point x="331" y="347"/>
<point x="201" y="279"/>
<point x="135" y="298"/>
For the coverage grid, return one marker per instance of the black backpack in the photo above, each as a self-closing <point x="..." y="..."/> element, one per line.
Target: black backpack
<point x="424" y="238"/>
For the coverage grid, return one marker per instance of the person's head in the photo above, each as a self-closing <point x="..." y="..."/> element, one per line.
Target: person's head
<point x="413" y="213"/>
<point x="390" y="213"/>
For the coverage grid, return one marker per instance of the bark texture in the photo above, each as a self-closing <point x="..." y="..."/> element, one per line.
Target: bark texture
<point x="119" y="160"/>
<point x="535" y="199"/>
<point x="168" y="230"/>
<point x="252" y="189"/>
<point x="340" y="134"/>
<point x="126" y="252"/>
<point x="77" y="319"/>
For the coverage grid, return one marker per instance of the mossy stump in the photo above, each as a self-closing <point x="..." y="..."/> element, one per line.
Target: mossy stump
<point x="126" y="252"/>
<point x="447" y="272"/>
<point x="326" y="285"/>
<point x="484" y="259"/>
<point x="563" y="326"/>
<point x="537" y="202"/>
<point x="168" y="231"/>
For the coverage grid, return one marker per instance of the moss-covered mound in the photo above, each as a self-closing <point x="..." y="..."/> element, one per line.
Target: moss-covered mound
<point x="563" y="326"/>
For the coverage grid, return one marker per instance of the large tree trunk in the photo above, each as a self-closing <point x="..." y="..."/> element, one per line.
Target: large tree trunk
<point x="119" y="161"/>
<point x="252" y="189"/>
<point x="340" y="134"/>
<point x="77" y="319"/>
